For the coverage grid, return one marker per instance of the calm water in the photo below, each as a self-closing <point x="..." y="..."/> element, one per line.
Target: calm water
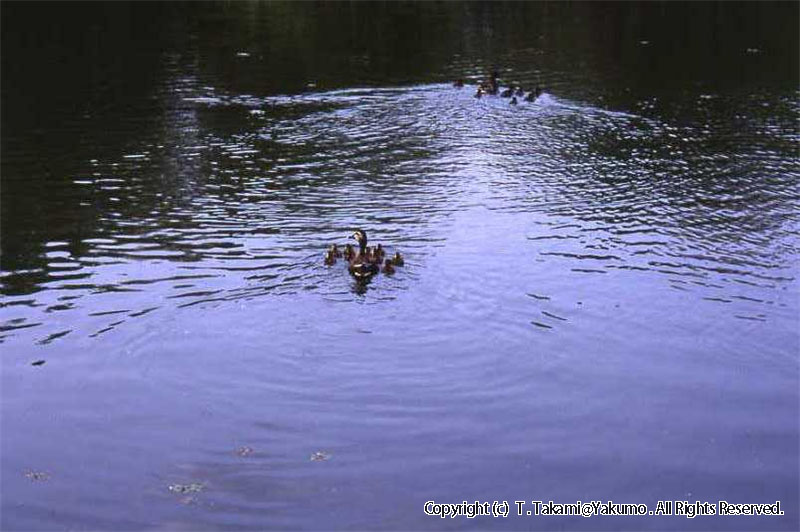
<point x="600" y="296"/>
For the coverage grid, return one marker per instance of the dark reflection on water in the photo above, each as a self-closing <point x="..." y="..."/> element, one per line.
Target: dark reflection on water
<point x="599" y="299"/>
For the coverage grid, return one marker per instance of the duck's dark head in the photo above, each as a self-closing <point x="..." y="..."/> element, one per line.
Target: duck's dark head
<point x="361" y="237"/>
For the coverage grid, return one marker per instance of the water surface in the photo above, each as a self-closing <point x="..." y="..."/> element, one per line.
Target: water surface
<point x="600" y="295"/>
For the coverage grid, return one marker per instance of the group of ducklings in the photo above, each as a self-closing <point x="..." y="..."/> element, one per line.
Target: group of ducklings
<point x="365" y="261"/>
<point x="492" y="86"/>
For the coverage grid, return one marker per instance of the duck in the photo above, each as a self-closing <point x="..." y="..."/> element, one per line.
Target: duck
<point x="330" y="258"/>
<point x="513" y="101"/>
<point x="535" y="93"/>
<point x="493" y="85"/>
<point x="397" y="260"/>
<point x="388" y="267"/>
<point x="507" y="93"/>
<point x="360" y="266"/>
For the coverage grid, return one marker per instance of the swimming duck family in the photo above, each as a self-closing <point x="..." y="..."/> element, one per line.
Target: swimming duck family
<point x="365" y="262"/>
<point x="492" y="87"/>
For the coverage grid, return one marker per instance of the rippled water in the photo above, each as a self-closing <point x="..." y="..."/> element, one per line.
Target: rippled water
<point x="599" y="301"/>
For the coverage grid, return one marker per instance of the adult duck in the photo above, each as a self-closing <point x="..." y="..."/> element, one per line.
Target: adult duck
<point x="362" y="266"/>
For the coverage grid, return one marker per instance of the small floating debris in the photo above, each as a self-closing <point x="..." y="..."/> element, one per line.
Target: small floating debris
<point x="244" y="451"/>
<point x="37" y="476"/>
<point x="194" y="487"/>
<point x="242" y="54"/>
<point x="320" y="456"/>
<point x="753" y="51"/>
<point x="644" y="43"/>
<point x="38" y="363"/>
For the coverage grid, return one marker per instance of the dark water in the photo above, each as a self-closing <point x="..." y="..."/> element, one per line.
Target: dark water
<point x="600" y="296"/>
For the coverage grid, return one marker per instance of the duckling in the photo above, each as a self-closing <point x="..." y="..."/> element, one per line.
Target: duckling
<point x="458" y="83"/>
<point x="535" y="93"/>
<point x="513" y="101"/>
<point x="379" y="252"/>
<point x="520" y="92"/>
<point x="360" y="266"/>
<point x="398" y="259"/>
<point x="479" y="92"/>
<point x="372" y="256"/>
<point x="507" y="93"/>
<point x="335" y="250"/>
<point x="330" y="258"/>
<point x="388" y="267"/>
<point x="493" y="83"/>
<point x="349" y="252"/>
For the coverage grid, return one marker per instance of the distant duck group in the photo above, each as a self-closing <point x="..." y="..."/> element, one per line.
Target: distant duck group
<point x="492" y="87"/>
<point x="364" y="262"/>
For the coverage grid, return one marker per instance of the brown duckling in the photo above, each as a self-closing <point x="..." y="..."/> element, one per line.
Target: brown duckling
<point x="398" y="259"/>
<point x="379" y="252"/>
<point x="458" y="83"/>
<point x="479" y="92"/>
<point x="335" y="250"/>
<point x="330" y="258"/>
<point x="360" y="266"/>
<point x="388" y="267"/>
<point x="493" y="85"/>
<point x="513" y="101"/>
<point x="349" y="252"/>
<point x="507" y="93"/>
<point x="535" y="93"/>
<point x="372" y="257"/>
<point x="519" y="92"/>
